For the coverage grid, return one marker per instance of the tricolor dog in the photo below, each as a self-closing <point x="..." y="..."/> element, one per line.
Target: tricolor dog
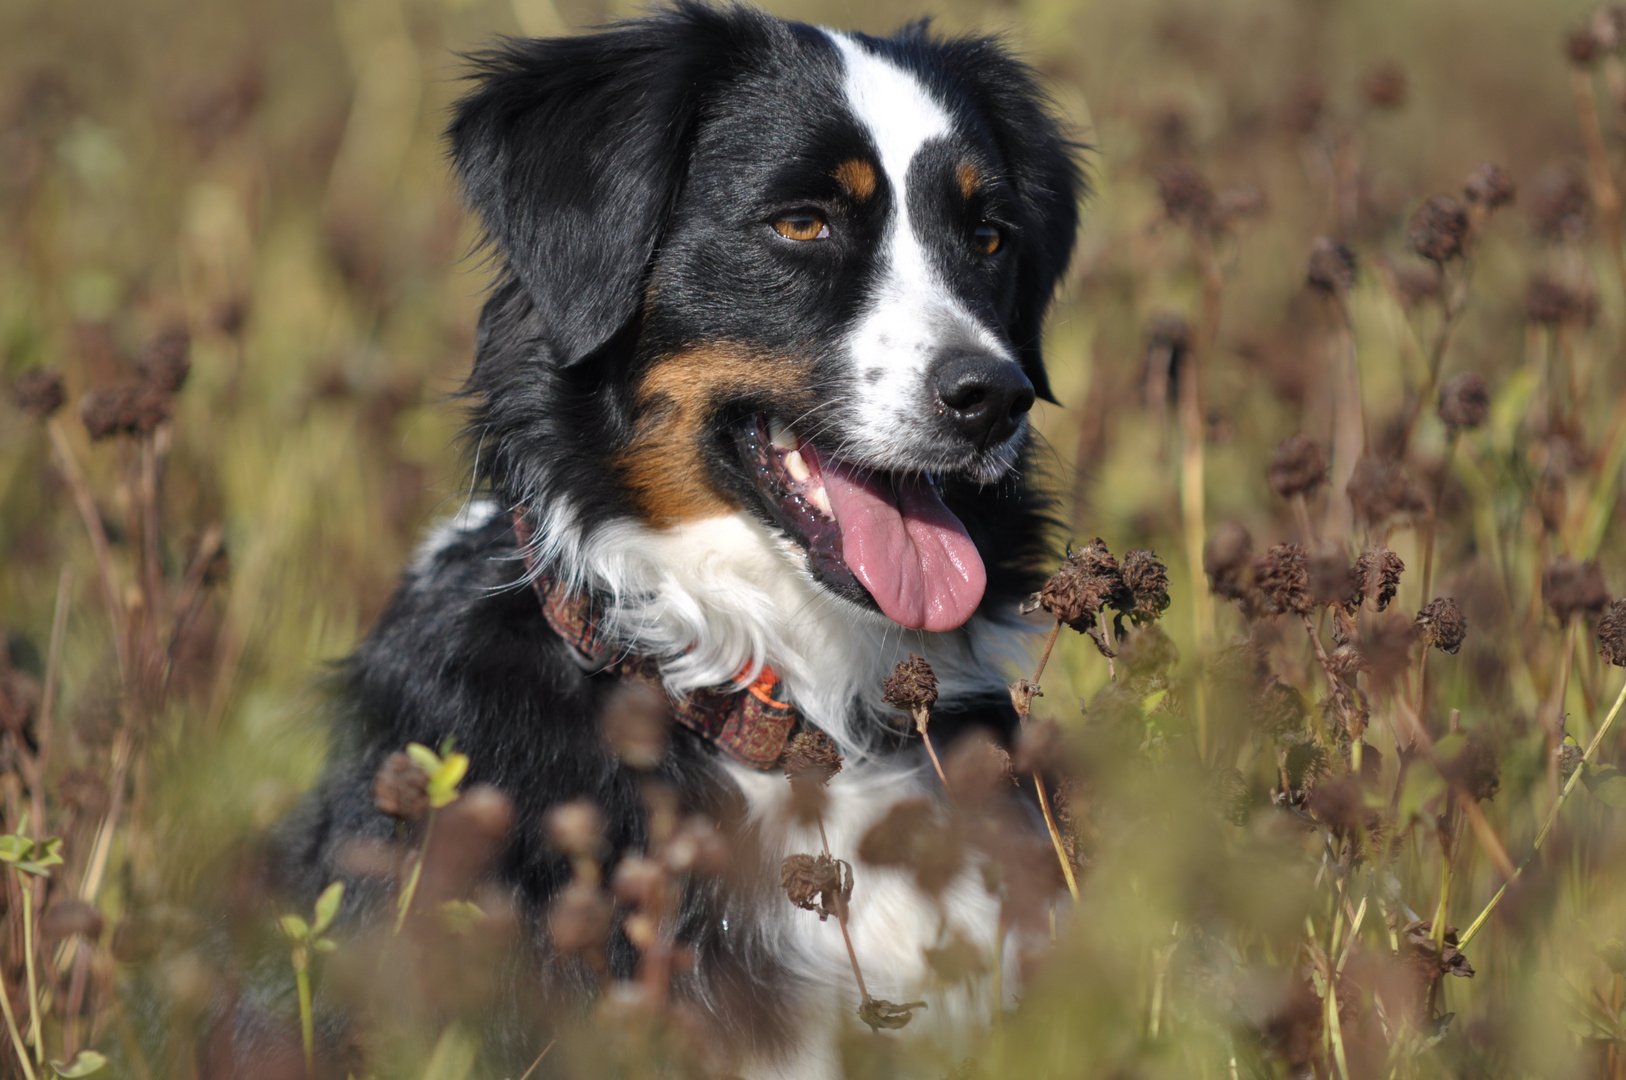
<point x="749" y="410"/>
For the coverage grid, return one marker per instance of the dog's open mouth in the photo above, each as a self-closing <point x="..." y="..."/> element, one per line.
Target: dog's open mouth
<point x="868" y="534"/>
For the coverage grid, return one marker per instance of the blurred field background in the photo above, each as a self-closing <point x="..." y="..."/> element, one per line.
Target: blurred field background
<point x="268" y="178"/>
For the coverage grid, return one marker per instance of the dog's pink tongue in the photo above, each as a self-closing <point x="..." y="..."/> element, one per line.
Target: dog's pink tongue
<point x="904" y="545"/>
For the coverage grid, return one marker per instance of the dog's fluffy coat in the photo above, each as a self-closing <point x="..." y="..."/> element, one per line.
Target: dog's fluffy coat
<point x="652" y="325"/>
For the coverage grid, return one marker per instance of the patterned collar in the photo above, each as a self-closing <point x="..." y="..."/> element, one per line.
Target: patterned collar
<point x="748" y="723"/>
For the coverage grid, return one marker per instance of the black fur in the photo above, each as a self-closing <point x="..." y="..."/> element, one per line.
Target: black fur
<point x="626" y="179"/>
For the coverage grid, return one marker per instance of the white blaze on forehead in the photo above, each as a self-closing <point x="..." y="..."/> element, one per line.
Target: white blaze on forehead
<point x="910" y="313"/>
<point x="895" y="107"/>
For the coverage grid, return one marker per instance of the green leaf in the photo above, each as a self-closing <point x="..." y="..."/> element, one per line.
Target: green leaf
<point x="453" y="1056"/>
<point x="294" y="927"/>
<point x="423" y="757"/>
<point x="15" y="848"/>
<point x="45" y="855"/>
<point x="84" y="1063"/>
<point x="324" y="945"/>
<point x="1606" y="783"/>
<point x="443" y="782"/>
<point x="1423" y="785"/>
<point x="461" y="916"/>
<point x="327" y="906"/>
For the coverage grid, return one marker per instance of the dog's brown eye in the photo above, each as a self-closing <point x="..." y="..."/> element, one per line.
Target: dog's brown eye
<point x="987" y="238"/>
<point x="802" y="227"/>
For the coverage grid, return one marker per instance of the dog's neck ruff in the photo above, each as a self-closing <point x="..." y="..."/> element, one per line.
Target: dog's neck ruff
<point x="748" y="723"/>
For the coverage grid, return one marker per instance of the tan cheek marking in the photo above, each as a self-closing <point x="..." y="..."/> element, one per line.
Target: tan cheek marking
<point x="857" y="177"/>
<point x="665" y="467"/>
<point x="969" y="179"/>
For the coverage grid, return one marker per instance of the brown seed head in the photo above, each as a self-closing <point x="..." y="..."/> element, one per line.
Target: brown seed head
<point x="67" y="917"/>
<point x="977" y="770"/>
<point x="165" y="361"/>
<point x="880" y="1014"/>
<point x="1612" y="635"/>
<point x="1283" y="576"/>
<point x="38" y="394"/>
<point x="401" y="788"/>
<point x="579" y="918"/>
<point x="1088" y="579"/>
<point x="1560" y="202"/>
<point x="1464" y="401"/>
<point x="576" y="828"/>
<point x="1582" y="47"/>
<point x="1489" y="186"/>
<point x="1438" y="229"/>
<point x="1574" y="588"/>
<point x="812" y="756"/>
<point x="817" y="883"/>
<point x="1302" y="109"/>
<point x="1187" y="196"/>
<point x="1332" y="580"/>
<point x="1385" y="647"/>
<point x="1384" y="87"/>
<point x="912" y="685"/>
<point x="1377" y="575"/>
<point x="1340" y="806"/>
<point x="1475" y="770"/>
<point x="1441" y="624"/>
<point x="1147" y="650"/>
<point x="634" y="725"/>
<point x="1549" y="302"/>
<point x="1228" y="561"/>
<point x="1331" y="268"/>
<point x="1279" y="709"/>
<point x="1297" y="467"/>
<point x="911" y="836"/>
<point x="1381" y="489"/>
<point x="639" y="881"/>
<point x="128" y="408"/>
<point x="1146" y="587"/>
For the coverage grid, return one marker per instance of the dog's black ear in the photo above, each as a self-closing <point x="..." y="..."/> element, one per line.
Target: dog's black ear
<point x="1043" y="167"/>
<point x="572" y="151"/>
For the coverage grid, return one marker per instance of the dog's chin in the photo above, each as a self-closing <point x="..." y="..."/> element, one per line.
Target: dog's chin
<point x="881" y="540"/>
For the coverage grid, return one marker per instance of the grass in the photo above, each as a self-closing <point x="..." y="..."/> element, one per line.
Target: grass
<point x="269" y="179"/>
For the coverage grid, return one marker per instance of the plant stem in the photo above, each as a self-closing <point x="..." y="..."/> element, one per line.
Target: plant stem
<point x="1547" y="825"/>
<point x="1044" y="657"/>
<point x="1055" y="836"/>
<point x="11" y="1026"/>
<point x="85" y="502"/>
<point x="922" y="716"/>
<point x="27" y="890"/>
<point x="1604" y="193"/>
<point x="307" y="1021"/>
<point x="1038" y="781"/>
<point x="404" y="904"/>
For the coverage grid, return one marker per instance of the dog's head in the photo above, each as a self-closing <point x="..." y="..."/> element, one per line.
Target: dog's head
<point x="755" y="265"/>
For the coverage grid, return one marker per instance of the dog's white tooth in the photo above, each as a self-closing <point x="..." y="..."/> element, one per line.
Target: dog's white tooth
<point x="796" y="466"/>
<point x="782" y="436"/>
<point x="821" y="499"/>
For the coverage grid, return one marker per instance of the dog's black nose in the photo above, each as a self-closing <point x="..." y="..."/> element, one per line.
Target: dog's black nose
<point x="982" y="396"/>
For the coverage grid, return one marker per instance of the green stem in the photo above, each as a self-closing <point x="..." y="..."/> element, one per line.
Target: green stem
<point x="11" y="1026"/>
<point x="28" y="962"/>
<point x="404" y="905"/>
<point x="1546" y="826"/>
<point x="307" y="1022"/>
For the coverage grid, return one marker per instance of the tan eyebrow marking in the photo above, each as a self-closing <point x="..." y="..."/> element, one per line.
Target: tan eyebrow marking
<point x="857" y="177"/>
<point x="970" y="179"/>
